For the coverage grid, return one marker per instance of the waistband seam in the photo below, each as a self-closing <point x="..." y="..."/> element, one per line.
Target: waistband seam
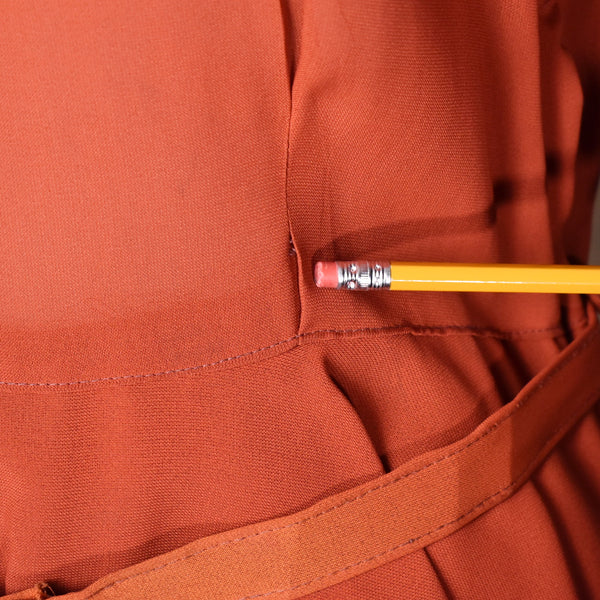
<point x="322" y="334"/>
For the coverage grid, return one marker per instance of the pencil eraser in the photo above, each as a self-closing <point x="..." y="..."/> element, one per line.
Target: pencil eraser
<point x="326" y="274"/>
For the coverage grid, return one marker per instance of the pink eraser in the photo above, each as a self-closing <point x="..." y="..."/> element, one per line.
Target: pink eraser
<point x="326" y="274"/>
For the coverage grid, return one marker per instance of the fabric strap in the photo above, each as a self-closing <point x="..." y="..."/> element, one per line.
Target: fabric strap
<point x="357" y="530"/>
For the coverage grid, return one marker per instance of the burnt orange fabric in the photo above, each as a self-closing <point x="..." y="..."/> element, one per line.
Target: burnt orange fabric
<point x="416" y="504"/>
<point x="170" y="173"/>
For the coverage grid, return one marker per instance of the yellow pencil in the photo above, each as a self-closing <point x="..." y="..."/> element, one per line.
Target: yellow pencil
<point x="458" y="277"/>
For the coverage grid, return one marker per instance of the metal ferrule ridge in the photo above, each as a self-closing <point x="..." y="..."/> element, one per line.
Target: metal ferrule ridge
<point x="363" y="274"/>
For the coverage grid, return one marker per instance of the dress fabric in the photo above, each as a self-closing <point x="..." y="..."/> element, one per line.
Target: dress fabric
<point x="170" y="173"/>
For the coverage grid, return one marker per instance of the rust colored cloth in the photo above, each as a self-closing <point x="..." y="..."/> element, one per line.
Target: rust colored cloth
<point x="173" y="384"/>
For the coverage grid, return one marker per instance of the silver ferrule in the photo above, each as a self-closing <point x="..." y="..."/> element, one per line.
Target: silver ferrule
<point x="363" y="274"/>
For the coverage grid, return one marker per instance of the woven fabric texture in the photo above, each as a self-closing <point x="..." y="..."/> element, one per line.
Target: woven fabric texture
<point x="170" y="172"/>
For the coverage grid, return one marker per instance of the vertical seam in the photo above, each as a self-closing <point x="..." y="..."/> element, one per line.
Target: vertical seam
<point x="287" y="202"/>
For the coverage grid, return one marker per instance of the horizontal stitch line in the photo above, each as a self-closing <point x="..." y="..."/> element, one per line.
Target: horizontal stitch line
<point x="552" y="373"/>
<point x="409" y="330"/>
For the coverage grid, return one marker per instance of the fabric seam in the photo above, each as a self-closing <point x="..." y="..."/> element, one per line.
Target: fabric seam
<point x="287" y="171"/>
<point x="433" y="330"/>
